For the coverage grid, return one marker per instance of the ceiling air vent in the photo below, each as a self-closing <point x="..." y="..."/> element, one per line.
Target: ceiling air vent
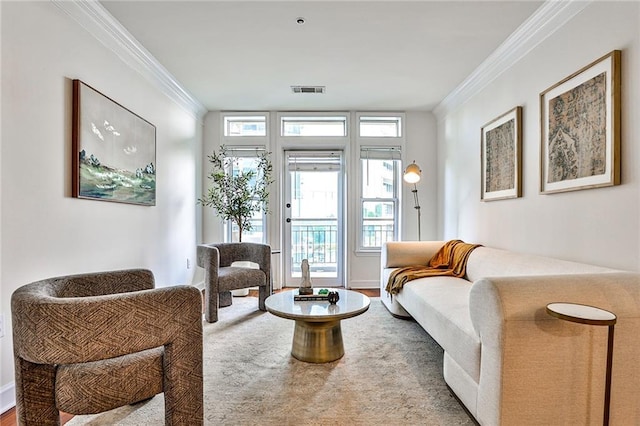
<point x="308" y="89"/>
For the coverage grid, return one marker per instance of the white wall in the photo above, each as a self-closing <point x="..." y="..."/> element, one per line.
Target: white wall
<point x="421" y="147"/>
<point x="599" y="226"/>
<point x="46" y="232"/>
<point x="212" y="231"/>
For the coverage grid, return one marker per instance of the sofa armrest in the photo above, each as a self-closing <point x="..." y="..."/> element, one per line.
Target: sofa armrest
<point x="537" y="369"/>
<point x="396" y="254"/>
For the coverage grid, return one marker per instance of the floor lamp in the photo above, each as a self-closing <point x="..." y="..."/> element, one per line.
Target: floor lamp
<point x="412" y="175"/>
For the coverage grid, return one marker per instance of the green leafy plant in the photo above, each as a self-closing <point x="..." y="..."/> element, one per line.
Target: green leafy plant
<point x="237" y="196"/>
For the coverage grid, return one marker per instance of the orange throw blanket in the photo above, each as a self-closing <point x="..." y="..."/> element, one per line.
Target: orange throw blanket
<point x="450" y="260"/>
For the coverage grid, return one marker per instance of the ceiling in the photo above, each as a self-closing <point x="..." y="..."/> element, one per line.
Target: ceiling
<point x="370" y="55"/>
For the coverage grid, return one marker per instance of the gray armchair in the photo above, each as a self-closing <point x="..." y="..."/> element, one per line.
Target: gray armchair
<point x="85" y="344"/>
<point x="220" y="277"/>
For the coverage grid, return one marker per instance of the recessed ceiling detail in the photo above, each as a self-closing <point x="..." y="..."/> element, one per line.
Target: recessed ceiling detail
<point x="308" y="89"/>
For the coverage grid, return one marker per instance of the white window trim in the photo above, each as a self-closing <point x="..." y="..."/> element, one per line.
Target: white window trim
<point x="245" y="140"/>
<point x="382" y="140"/>
<point x="370" y="142"/>
<point x="396" y="200"/>
<point x="335" y="139"/>
<point x="245" y="143"/>
<point x="228" y="224"/>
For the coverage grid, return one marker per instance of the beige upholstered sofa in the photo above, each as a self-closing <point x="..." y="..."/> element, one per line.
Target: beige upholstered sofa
<point x="507" y="360"/>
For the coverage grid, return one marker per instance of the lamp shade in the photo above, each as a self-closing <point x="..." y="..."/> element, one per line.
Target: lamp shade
<point x="412" y="173"/>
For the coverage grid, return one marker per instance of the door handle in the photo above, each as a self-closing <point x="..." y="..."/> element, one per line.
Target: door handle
<point x="288" y="220"/>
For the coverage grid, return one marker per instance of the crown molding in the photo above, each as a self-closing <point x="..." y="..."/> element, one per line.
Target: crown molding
<point x="94" y="18"/>
<point x="548" y="18"/>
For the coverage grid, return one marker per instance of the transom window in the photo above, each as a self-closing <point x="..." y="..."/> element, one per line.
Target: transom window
<point x="245" y="125"/>
<point x="380" y="126"/>
<point x="314" y="126"/>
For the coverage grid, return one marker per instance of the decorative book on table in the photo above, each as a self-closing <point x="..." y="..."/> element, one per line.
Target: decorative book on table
<point x="316" y="295"/>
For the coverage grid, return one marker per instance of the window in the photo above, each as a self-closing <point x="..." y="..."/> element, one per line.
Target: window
<point x="235" y="126"/>
<point x="380" y="126"/>
<point x="380" y="173"/>
<point x="245" y="159"/>
<point x="313" y="126"/>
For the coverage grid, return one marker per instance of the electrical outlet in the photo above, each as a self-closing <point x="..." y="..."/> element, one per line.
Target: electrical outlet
<point x="1" y="325"/>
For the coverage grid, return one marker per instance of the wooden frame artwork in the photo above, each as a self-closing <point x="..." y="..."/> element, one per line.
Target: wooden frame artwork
<point x="114" y="150"/>
<point x="580" y="129"/>
<point x="501" y="157"/>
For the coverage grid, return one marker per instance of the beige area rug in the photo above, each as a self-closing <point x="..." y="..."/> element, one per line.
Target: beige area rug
<point x="391" y="374"/>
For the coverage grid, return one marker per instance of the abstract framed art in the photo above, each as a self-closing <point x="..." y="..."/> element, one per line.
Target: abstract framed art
<point x="580" y="128"/>
<point x="114" y="150"/>
<point x="501" y="157"/>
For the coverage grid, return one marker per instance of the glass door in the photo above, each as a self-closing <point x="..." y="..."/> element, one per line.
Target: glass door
<point x="313" y="217"/>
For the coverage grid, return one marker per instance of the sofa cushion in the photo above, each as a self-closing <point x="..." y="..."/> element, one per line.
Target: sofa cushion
<point x="489" y="262"/>
<point x="441" y="306"/>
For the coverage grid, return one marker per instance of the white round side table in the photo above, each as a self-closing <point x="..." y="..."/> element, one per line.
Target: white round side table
<point x="585" y="314"/>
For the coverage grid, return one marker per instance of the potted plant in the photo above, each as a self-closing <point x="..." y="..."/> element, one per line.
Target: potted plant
<point x="237" y="195"/>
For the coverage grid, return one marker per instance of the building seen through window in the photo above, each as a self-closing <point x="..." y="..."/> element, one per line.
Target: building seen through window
<point x="256" y="234"/>
<point x="379" y="201"/>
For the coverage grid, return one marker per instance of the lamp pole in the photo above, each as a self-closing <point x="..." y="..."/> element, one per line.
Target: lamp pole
<point x="417" y="207"/>
<point x="412" y="175"/>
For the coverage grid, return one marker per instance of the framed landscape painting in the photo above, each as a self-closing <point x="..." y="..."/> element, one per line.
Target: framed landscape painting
<point x="501" y="157"/>
<point x="114" y="150"/>
<point x="580" y="129"/>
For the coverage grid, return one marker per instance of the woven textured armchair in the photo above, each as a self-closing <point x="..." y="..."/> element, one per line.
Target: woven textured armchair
<point x="85" y="344"/>
<point x="220" y="277"/>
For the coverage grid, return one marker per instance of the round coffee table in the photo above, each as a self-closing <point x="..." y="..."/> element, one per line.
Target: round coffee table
<point x="317" y="336"/>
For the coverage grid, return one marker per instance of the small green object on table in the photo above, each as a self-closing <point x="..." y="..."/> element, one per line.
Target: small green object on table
<point x="323" y="291"/>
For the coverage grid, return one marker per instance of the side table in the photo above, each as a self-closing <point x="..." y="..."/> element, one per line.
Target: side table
<point x="590" y="315"/>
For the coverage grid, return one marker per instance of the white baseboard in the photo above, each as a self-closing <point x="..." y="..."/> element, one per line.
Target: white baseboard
<point x="364" y="284"/>
<point x="7" y="397"/>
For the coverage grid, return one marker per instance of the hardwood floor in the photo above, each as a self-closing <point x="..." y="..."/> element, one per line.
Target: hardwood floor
<point x="369" y="292"/>
<point x="9" y="418"/>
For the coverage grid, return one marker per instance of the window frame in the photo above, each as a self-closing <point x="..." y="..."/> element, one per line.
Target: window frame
<point x="343" y="117"/>
<point x="398" y="118"/>
<point x="394" y="156"/>
<point x="243" y="151"/>
<point x="238" y="140"/>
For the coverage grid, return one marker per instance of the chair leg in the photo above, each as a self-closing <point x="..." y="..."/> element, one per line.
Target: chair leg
<point x="225" y="299"/>
<point x="264" y="292"/>
<point x="210" y="305"/>
<point x="35" y="394"/>
<point x="183" y="386"/>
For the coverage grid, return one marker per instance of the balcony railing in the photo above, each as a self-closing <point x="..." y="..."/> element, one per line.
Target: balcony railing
<point x="375" y="232"/>
<point x="316" y="241"/>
